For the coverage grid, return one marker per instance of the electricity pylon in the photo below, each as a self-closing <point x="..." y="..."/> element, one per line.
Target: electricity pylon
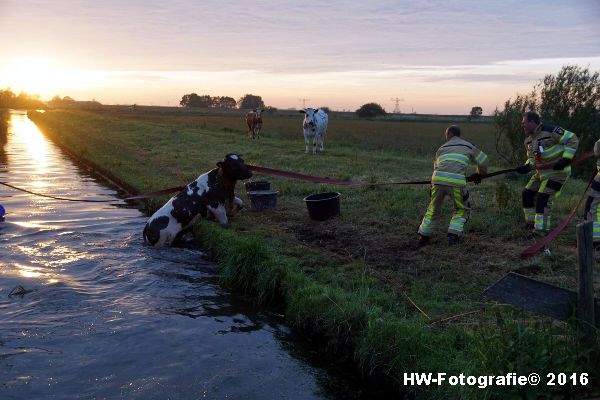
<point x="304" y="102"/>
<point x="397" y="105"/>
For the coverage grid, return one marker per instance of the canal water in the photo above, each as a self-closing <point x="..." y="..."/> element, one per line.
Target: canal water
<point x="88" y="311"/>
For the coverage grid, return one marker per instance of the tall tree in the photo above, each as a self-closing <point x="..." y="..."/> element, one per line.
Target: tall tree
<point x="570" y="99"/>
<point x="193" y="100"/>
<point x="7" y="98"/>
<point x="224" y="102"/>
<point x="476" y="112"/>
<point x="251" y="101"/>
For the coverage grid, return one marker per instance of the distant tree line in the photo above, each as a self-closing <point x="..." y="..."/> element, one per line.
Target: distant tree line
<point x="69" y="102"/>
<point x="23" y="101"/>
<point x="206" y="101"/>
<point x="248" y="101"/>
<point x="65" y="102"/>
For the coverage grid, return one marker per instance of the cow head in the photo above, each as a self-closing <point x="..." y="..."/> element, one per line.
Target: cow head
<point x="233" y="167"/>
<point x="309" y="117"/>
<point x="258" y="112"/>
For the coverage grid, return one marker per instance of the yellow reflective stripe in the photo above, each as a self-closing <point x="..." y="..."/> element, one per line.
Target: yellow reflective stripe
<point x="529" y="214"/>
<point x="533" y="180"/>
<point x="456" y="157"/>
<point x="481" y="157"/>
<point x="569" y="152"/>
<point x="441" y="181"/>
<point x="427" y="223"/>
<point x="545" y="173"/>
<point x="596" y="233"/>
<point x="539" y="222"/>
<point x="451" y="175"/>
<point x="565" y="137"/>
<point x="460" y="205"/>
<point x="456" y="226"/>
<point x="552" y="151"/>
<point x="425" y="227"/>
<point x="448" y="177"/>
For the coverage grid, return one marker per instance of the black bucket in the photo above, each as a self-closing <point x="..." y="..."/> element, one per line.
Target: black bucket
<point x="322" y="206"/>
<point x="257" y="185"/>
<point x="262" y="199"/>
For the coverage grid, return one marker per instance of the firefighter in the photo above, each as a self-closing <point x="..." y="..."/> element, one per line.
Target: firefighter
<point x="550" y="151"/>
<point x="448" y="179"/>
<point x="592" y="205"/>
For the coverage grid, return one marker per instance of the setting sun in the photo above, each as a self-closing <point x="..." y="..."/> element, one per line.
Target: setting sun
<point x="32" y="75"/>
<point x="39" y="76"/>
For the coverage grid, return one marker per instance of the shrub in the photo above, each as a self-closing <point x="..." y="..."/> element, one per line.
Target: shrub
<point x="370" y="110"/>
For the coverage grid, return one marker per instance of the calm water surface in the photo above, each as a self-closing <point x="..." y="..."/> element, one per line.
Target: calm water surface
<point x="105" y="316"/>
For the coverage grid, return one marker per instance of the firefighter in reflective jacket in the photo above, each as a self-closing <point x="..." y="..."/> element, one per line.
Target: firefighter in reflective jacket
<point x="546" y="145"/>
<point x="592" y="205"/>
<point x="448" y="179"/>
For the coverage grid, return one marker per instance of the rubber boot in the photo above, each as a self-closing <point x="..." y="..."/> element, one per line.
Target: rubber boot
<point x="596" y="246"/>
<point x="453" y="239"/>
<point x="423" y="240"/>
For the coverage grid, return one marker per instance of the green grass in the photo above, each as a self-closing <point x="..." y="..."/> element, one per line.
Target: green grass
<point x="354" y="280"/>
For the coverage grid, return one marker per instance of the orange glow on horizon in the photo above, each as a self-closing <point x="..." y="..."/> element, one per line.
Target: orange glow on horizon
<point x="428" y="89"/>
<point x="38" y="76"/>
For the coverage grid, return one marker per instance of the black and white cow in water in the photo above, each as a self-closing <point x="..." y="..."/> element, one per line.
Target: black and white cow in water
<point x="211" y="194"/>
<point x="315" y="126"/>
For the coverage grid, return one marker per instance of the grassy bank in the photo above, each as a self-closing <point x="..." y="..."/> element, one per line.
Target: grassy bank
<point x="355" y="281"/>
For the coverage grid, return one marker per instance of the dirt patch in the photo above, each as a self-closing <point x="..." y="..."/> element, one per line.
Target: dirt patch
<point x="356" y="244"/>
<point x="438" y="273"/>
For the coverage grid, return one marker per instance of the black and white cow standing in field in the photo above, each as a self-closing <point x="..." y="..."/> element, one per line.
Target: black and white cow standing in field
<point x="211" y="194"/>
<point x="315" y="126"/>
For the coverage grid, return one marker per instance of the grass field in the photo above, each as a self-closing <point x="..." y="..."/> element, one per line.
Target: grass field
<point x="356" y="281"/>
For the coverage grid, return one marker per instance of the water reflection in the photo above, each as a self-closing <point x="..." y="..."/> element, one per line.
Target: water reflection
<point x="4" y="118"/>
<point x="28" y="137"/>
<point x="103" y="316"/>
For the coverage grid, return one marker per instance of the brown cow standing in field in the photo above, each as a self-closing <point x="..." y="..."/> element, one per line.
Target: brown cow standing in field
<point x="254" y="122"/>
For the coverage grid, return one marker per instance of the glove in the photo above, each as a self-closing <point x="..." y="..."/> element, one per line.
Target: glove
<point x="523" y="169"/>
<point x="475" y="178"/>
<point x="562" y="164"/>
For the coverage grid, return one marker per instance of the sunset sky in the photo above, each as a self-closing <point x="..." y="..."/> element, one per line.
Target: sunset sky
<point x="439" y="56"/>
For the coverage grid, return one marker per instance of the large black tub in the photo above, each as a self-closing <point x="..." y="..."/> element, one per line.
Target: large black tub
<point x="322" y="206"/>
